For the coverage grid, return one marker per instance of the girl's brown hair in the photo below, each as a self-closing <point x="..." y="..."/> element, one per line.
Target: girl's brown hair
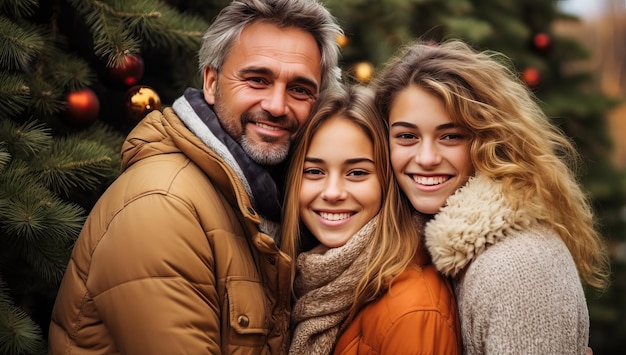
<point x="396" y="239"/>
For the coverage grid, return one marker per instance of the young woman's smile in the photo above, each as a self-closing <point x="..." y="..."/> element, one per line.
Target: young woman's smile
<point x="340" y="189"/>
<point x="429" y="153"/>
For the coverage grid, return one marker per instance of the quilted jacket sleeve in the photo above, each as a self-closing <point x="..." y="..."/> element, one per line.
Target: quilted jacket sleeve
<point x="151" y="280"/>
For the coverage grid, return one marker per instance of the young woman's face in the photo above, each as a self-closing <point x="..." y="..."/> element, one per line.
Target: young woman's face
<point x="429" y="154"/>
<point x="340" y="189"/>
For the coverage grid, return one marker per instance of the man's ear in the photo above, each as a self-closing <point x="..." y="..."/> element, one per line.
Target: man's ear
<point x="210" y="85"/>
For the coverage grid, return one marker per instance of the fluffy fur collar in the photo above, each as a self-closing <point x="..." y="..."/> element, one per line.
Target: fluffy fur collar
<point x="474" y="218"/>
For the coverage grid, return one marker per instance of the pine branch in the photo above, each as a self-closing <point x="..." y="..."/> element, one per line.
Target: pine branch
<point x="47" y="99"/>
<point x="73" y="163"/>
<point x="122" y="28"/>
<point x="111" y="39"/>
<point x="67" y="71"/>
<point x="36" y="215"/>
<point x="24" y="140"/>
<point x="5" y="157"/>
<point x="36" y="225"/>
<point x="14" y="94"/>
<point x="40" y="230"/>
<point x="105" y="135"/>
<point x="162" y="26"/>
<point x="47" y="71"/>
<point x="18" y="8"/>
<point x="18" y="333"/>
<point x="20" y="45"/>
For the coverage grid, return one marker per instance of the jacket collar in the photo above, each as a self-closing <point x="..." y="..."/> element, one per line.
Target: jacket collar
<point x="199" y="117"/>
<point x="474" y="218"/>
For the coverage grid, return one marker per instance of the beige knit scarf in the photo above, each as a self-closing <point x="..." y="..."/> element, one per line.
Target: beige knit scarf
<point x="324" y="287"/>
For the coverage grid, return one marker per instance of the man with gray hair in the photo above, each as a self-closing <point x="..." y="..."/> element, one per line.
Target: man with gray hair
<point x="179" y="254"/>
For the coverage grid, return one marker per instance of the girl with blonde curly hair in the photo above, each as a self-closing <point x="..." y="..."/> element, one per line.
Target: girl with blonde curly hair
<point x="507" y="218"/>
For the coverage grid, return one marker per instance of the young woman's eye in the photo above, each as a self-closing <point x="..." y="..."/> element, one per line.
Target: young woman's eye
<point x="405" y="136"/>
<point x="454" y="136"/>
<point x="358" y="173"/>
<point x="313" y="172"/>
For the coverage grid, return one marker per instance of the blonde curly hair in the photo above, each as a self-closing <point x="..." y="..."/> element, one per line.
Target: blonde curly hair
<point x="513" y="140"/>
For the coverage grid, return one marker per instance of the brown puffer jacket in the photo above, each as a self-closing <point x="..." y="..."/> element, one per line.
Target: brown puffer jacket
<point x="171" y="261"/>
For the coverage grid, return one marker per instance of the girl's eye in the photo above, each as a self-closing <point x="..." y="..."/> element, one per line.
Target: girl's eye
<point x="454" y="137"/>
<point x="358" y="173"/>
<point x="405" y="136"/>
<point x="312" y="171"/>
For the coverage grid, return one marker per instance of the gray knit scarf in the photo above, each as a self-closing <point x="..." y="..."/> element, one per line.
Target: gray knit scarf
<point x="324" y="288"/>
<point x="200" y="119"/>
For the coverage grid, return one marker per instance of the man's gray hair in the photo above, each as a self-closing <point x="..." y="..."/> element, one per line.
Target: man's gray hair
<point x="308" y="15"/>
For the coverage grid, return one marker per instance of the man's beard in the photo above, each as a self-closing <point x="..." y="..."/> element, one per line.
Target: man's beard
<point x="267" y="152"/>
<point x="263" y="153"/>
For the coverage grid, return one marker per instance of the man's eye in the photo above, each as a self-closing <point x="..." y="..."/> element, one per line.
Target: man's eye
<point x="301" y="93"/>
<point x="256" y="80"/>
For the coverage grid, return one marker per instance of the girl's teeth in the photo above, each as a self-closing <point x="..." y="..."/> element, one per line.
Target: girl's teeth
<point x="334" y="216"/>
<point x="422" y="180"/>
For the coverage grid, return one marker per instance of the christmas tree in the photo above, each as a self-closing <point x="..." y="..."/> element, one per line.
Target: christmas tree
<point x="75" y="76"/>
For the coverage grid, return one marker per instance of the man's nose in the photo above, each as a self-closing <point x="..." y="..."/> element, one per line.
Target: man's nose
<point x="275" y="103"/>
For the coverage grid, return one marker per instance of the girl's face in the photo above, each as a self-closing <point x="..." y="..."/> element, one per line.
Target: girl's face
<point x="340" y="189"/>
<point x="429" y="154"/>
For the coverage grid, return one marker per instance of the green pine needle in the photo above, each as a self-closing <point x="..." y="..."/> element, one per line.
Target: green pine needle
<point x="25" y="140"/>
<point x="74" y="163"/>
<point x="19" y="334"/>
<point x="18" y="8"/>
<point x="20" y="45"/>
<point x="14" y="94"/>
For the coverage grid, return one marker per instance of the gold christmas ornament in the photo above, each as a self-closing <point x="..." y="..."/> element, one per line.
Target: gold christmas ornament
<point x="139" y="100"/>
<point x="363" y="71"/>
<point x="342" y="40"/>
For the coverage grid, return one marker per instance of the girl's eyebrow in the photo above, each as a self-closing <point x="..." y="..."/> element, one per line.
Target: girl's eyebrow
<point x="411" y="125"/>
<point x="347" y="162"/>
<point x="403" y="124"/>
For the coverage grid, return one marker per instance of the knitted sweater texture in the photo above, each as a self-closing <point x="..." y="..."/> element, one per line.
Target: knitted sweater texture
<point x="324" y="287"/>
<point x="517" y="287"/>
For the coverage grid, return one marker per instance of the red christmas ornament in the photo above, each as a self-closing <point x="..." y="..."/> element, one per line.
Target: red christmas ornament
<point x="82" y="107"/>
<point x="531" y="77"/>
<point x="139" y="100"/>
<point x="542" y="41"/>
<point x="129" y="73"/>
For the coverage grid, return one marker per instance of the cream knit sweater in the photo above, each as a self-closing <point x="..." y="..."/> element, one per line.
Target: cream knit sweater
<point x="517" y="286"/>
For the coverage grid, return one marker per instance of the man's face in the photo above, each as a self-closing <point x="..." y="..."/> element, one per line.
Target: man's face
<point x="266" y="88"/>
